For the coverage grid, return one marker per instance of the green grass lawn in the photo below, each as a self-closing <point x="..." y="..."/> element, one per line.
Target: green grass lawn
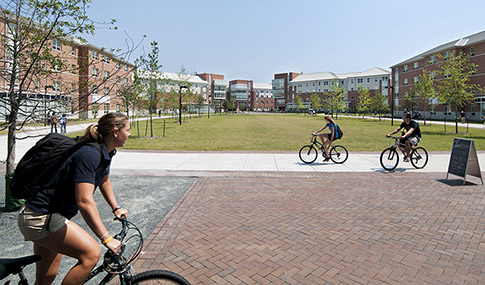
<point x="282" y="132"/>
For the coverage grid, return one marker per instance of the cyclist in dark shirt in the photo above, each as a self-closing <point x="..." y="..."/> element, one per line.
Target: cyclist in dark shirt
<point x="45" y="218"/>
<point x="412" y="136"/>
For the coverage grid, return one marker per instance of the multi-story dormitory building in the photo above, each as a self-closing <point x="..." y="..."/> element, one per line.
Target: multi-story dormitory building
<point x="405" y="74"/>
<point x="90" y="80"/>
<point x="288" y="85"/>
<point x="250" y="96"/>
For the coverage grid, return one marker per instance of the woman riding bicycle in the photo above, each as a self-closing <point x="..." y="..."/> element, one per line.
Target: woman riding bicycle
<point x="45" y="217"/>
<point x="328" y="138"/>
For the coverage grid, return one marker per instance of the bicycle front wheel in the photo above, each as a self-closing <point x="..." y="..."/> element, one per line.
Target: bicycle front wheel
<point x="389" y="159"/>
<point x="158" y="277"/>
<point x="339" y="154"/>
<point x="419" y="157"/>
<point x="308" y="154"/>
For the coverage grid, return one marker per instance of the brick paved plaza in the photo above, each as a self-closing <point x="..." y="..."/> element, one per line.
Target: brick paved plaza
<point x="324" y="228"/>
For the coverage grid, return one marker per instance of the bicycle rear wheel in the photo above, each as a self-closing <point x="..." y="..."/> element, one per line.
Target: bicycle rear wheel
<point x="389" y="159"/>
<point x="308" y="154"/>
<point x="419" y="157"/>
<point x="339" y="154"/>
<point x="158" y="277"/>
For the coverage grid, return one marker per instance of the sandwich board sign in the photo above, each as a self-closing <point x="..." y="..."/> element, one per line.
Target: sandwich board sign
<point x="464" y="159"/>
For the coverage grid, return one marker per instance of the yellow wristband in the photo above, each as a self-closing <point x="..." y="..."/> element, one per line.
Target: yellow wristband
<point x="106" y="241"/>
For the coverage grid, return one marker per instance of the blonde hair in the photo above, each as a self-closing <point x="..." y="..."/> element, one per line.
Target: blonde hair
<point x="330" y="119"/>
<point x="106" y="124"/>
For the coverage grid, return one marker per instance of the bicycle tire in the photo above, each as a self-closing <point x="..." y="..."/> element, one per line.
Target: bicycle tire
<point x="419" y="157"/>
<point x="158" y="277"/>
<point x="389" y="159"/>
<point x="308" y="154"/>
<point x="339" y="154"/>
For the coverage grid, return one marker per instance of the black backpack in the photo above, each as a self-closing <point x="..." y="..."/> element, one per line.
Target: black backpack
<point x="41" y="162"/>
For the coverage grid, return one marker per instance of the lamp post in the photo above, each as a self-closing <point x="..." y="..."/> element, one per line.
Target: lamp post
<point x="391" y="91"/>
<point x="45" y="103"/>
<point x="180" y="103"/>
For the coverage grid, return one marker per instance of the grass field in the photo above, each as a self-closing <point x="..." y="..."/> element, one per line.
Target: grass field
<point x="282" y="132"/>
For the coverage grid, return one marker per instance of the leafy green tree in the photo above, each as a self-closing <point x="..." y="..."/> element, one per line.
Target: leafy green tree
<point x="316" y="101"/>
<point x="379" y="103"/>
<point x="30" y="28"/>
<point x="455" y="88"/>
<point x="299" y="103"/>
<point x="407" y="101"/>
<point x="336" y="97"/>
<point x="364" y="100"/>
<point x="425" y="89"/>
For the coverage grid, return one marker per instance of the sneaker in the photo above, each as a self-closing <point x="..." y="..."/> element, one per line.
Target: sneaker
<point x="326" y="159"/>
<point x="406" y="159"/>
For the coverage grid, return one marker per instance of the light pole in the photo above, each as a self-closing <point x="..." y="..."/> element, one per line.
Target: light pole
<point x="391" y="91"/>
<point x="45" y="103"/>
<point x="180" y="103"/>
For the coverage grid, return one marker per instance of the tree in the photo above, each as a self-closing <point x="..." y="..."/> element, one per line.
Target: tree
<point x="379" y="103"/>
<point x="364" y="100"/>
<point x="455" y="89"/>
<point x="425" y="89"/>
<point x="407" y="101"/>
<point x="153" y="81"/>
<point x="336" y="97"/>
<point x="299" y="103"/>
<point x="316" y="101"/>
<point x="32" y="25"/>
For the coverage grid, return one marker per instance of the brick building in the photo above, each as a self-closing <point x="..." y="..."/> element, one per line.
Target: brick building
<point x="405" y="74"/>
<point x="86" y="83"/>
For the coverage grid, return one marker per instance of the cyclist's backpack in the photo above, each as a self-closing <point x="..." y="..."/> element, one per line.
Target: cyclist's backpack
<point x="41" y="162"/>
<point x="339" y="132"/>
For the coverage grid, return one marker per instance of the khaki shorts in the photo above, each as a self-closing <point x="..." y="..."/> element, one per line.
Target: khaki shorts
<point x="34" y="226"/>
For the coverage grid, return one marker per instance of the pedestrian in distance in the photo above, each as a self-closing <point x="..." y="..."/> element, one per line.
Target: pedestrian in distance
<point x="63" y="124"/>
<point x="462" y="117"/>
<point x="45" y="217"/>
<point x="53" y="122"/>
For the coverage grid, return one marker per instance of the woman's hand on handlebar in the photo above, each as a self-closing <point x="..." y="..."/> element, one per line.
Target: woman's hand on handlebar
<point x="114" y="245"/>
<point x="121" y="213"/>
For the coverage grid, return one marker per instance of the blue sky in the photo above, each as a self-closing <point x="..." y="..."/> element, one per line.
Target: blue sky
<point x="255" y="39"/>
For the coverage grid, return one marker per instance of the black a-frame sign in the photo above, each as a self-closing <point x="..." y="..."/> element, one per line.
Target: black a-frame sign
<point x="464" y="159"/>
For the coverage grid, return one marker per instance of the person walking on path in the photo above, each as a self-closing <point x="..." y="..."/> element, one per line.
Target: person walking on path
<point x="45" y="217"/>
<point x="462" y="117"/>
<point x="63" y="124"/>
<point x="53" y="122"/>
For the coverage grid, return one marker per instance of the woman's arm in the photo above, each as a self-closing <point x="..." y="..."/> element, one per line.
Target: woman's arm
<point x="321" y="129"/>
<point x="107" y="190"/>
<point x="89" y="211"/>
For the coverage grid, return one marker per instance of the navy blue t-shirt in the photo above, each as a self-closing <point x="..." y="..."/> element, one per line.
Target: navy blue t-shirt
<point x="82" y="166"/>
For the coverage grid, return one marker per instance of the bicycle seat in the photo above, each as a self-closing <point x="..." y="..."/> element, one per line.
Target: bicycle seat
<point x="14" y="265"/>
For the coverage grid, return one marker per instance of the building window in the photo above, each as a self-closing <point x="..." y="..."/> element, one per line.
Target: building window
<point x="106" y="108"/>
<point x="126" y="67"/>
<point x="37" y="84"/>
<point x="73" y="50"/>
<point x="472" y="51"/>
<point x="405" y="82"/>
<point x="56" y="44"/>
<point x="106" y="74"/>
<point x="73" y="87"/>
<point x="106" y="59"/>
<point x="325" y="83"/>
<point x="405" y="68"/>
<point x="126" y="80"/>
<point x="433" y="75"/>
<point x="106" y="91"/>
<point x="415" y="79"/>
<point x="57" y="85"/>
<point x="415" y="66"/>
<point x="95" y="90"/>
<point x="118" y="79"/>
<point x="432" y="59"/>
<point x="95" y="55"/>
<point x="446" y="55"/>
<point x="368" y="79"/>
<point x="73" y="68"/>
<point x="118" y="93"/>
<point x="360" y="80"/>
<point x="118" y="108"/>
<point x="95" y="72"/>
<point x="118" y="65"/>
